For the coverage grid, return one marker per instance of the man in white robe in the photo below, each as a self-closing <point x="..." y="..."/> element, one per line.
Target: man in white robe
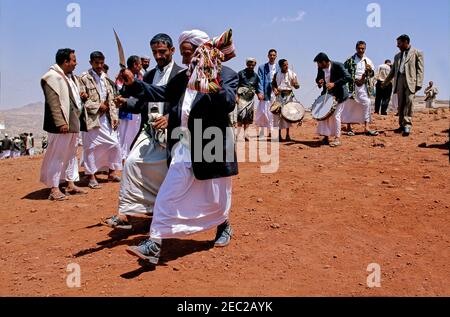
<point x="145" y="61"/>
<point x="146" y="165"/>
<point x="130" y="123"/>
<point x="266" y="72"/>
<point x="383" y="94"/>
<point x="362" y="71"/>
<point x="333" y="78"/>
<point x="63" y="119"/>
<point x="31" y="148"/>
<point x="17" y="147"/>
<point x="196" y="195"/>
<point x="283" y="85"/>
<point x="101" y="148"/>
<point x="431" y="93"/>
<point x="6" y="148"/>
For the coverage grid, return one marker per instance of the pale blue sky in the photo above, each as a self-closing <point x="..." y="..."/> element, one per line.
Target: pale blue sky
<point x="31" y="32"/>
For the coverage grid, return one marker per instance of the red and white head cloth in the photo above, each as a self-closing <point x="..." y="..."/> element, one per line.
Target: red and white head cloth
<point x="206" y="64"/>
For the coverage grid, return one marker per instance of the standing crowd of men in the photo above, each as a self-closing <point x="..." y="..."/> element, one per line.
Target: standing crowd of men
<point x="22" y="145"/>
<point x="133" y="124"/>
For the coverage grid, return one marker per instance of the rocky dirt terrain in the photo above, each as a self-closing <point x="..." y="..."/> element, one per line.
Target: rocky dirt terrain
<point x="310" y="229"/>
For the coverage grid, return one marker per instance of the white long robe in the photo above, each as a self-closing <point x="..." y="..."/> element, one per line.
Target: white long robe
<point x="101" y="148"/>
<point x="186" y="205"/>
<point x="142" y="176"/>
<point x="349" y="111"/>
<point x="263" y="116"/>
<point x="361" y="110"/>
<point x="146" y="165"/>
<point x="128" y="129"/>
<point x="332" y="125"/>
<point x="60" y="162"/>
<point x="284" y="81"/>
<point x="356" y="111"/>
<point x="5" y="154"/>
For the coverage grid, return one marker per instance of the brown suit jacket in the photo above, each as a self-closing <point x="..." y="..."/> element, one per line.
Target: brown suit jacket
<point x="53" y="115"/>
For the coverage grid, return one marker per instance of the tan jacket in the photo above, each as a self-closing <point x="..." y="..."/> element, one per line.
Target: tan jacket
<point x="60" y="105"/>
<point x="92" y="105"/>
<point x="414" y="69"/>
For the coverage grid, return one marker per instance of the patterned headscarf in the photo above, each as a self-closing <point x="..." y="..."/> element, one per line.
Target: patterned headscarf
<point x="206" y="64"/>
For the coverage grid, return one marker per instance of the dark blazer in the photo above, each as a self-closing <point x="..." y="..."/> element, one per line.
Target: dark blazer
<point x="340" y="77"/>
<point x="210" y="109"/>
<point x="137" y="106"/>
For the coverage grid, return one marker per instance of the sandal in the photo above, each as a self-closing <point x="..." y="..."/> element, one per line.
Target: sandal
<point x="57" y="197"/>
<point x="335" y="143"/>
<point x="75" y="191"/>
<point x="351" y="133"/>
<point x="94" y="185"/>
<point x="116" y="223"/>
<point x="114" y="179"/>
<point x="371" y="133"/>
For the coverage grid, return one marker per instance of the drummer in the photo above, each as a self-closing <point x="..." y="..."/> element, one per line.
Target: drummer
<point x="283" y="85"/>
<point x="247" y="88"/>
<point x="333" y="77"/>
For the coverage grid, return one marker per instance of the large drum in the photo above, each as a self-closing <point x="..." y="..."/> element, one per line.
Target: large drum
<point x="293" y="111"/>
<point x="323" y="107"/>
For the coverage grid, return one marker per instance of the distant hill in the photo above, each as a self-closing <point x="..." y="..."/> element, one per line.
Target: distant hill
<point x="29" y="118"/>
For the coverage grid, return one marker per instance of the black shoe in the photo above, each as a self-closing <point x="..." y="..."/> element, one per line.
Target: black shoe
<point x="147" y="250"/>
<point x="399" y="130"/>
<point x="224" y="234"/>
<point x="384" y="113"/>
<point x="406" y="131"/>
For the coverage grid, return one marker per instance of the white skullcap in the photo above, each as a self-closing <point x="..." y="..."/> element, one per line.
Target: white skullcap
<point x="195" y="37"/>
<point x="251" y="59"/>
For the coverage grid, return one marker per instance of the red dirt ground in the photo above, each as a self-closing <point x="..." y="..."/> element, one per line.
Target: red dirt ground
<point x="311" y="229"/>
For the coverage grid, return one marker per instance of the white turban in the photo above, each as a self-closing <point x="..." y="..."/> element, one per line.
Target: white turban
<point x="195" y="37"/>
